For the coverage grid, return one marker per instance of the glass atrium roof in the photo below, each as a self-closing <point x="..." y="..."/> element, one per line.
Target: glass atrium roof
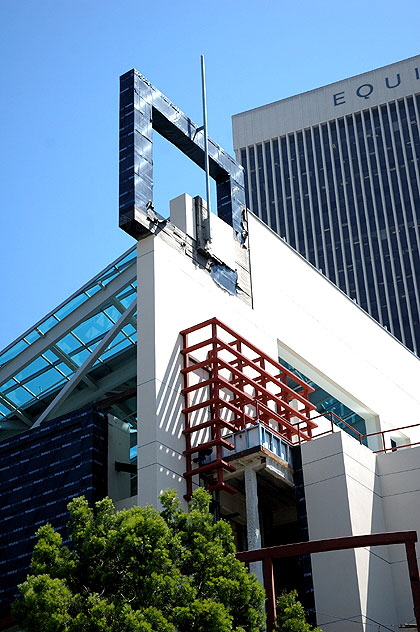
<point x="36" y="366"/>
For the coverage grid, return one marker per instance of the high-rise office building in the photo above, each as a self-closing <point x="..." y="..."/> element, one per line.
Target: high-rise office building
<point x="335" y="172"/>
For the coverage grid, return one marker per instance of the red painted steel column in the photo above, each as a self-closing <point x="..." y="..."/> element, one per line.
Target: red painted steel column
<point x="270" y="592"/>
<point x="241" y="425"/>
<point x="216" y="408"/>
<point x="413" y="571"/>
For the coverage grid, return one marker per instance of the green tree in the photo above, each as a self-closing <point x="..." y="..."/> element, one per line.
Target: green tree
<point x="291" y="614"/>
<point x="139" y="570"/>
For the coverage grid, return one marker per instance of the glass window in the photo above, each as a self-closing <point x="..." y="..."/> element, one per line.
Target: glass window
<point x="243" y="163"/>
<point x="272" y="216"/>
<point x="31" y="369"/>
<point x="279" y="190"/>
<point x="13" y="351"/>
<point x="32" y="336"/>
<point x="80" y="357"/>
<point x="253" y="179"/>
<point x="47" y="324"/>
<point x="290" y="230"/>
<point x="3" y="410"/>
<point x="92" y="328"/>
<point x="65" y="369"/>
<point x="112" y="313"/>
<point x="45" y="381"/>
<point x="19" y="396"/>
<point x="128" y="259"/>
<point x="49" y="355"/>
<point x="71" y="305"/>
<point x="261" y="180"/>
<point x="116" y="348"/>
<point x="69" y="343"/>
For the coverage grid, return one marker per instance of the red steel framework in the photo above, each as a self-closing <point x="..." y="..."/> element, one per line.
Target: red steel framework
<point x="267" y="555"/>
<point x="229" y="384"/>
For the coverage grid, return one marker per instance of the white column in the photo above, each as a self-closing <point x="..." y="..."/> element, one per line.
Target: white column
<point x="253" y="520"/>
<point x="159" y="401"/>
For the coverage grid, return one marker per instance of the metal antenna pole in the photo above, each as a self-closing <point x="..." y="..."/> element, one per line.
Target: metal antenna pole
<point x="206" y="141"/>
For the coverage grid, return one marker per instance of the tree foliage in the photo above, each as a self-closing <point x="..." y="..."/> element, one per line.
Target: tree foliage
<point x="291" y="614"/>
<point x="139" y="570"/>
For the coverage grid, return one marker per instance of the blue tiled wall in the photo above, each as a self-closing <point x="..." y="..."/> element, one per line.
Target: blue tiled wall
<point x="41" y="470"/>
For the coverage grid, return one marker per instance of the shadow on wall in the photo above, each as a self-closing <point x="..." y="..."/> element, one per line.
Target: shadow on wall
<point x="169" y="398"/>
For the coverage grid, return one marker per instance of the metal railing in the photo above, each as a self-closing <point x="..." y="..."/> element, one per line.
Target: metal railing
<point x="363" y="437"/>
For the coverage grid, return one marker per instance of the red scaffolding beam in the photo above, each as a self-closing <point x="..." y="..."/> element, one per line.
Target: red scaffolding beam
<point x="266" y="556"/>
<point x="230" y="384"/>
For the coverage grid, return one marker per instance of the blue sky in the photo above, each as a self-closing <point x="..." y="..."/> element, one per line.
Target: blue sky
<point x="60" y="67"/>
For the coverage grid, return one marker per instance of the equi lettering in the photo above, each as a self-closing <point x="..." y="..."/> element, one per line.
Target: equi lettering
<point x="366" y="90"/>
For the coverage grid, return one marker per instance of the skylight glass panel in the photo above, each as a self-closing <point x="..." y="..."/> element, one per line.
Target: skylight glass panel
<point x="45" y="381"/>
<point x="13" y="352"/>
<point x="118" y="338"/>
<point x="80" y="357"/>
<point x="4" y="410"/>
<point x="129" y="258"/>
<point x="68" y="344"/>
<point x="116" y="349"/>
<point x="125" y="292"/>
<point x="47" y="370"/>
<point x="92" y="290"/>
<point x="106" y="278"/>
<point x="129" y="329"/>
<point x="19" y="396"/>
<point x="32" y="336"/>
<point x="7" y="385"/>
<point x="50" y="355"/>
<point x="93" y="328"/>
<point x="47" y="324"/>
<point x="65" y="369"/>
<point x="31" y="369"/>
<point x="71" y="306"/>
<point x="127" y="298"/>
<point x="113" y="313"/>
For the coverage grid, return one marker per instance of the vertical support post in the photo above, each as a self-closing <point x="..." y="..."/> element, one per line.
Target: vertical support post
<point x="206" y="139"/>
<point x="253" y="519"/>
<point x="215" y="394"/>
<point x="241" y="421"/>
<point x="187" y="423"/>
<point x="413" y="571"/>
<point x="270" y="592"/>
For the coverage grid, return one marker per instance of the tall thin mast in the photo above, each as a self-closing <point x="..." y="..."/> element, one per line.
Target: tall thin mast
<point x="206" y="142"/>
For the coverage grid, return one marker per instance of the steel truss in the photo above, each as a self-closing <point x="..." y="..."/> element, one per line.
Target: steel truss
<point x="230" y="384"/>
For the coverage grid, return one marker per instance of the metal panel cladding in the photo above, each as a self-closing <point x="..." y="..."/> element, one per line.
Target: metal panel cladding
<point x="41" y="470"/>
<point x="143" y="109"/>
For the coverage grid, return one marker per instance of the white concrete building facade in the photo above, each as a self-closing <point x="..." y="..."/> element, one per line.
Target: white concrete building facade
<point x="243" y="346"/>
<point x="302" y="317"/>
